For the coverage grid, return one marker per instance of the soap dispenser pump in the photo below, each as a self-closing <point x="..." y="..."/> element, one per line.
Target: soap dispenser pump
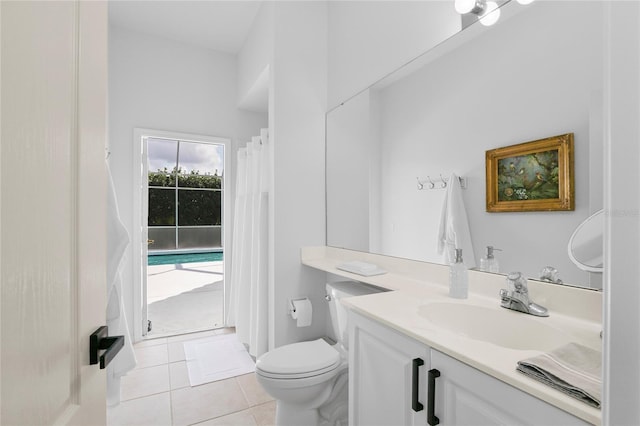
<point x="489" y="263"/>
<point x="458" y="278"/>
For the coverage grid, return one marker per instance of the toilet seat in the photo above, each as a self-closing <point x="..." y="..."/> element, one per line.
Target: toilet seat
<point x="299" y="360"/>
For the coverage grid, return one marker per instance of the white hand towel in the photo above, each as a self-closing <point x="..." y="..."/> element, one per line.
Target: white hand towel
<point x="117" y="242"/>
<point x="454" y="227"/>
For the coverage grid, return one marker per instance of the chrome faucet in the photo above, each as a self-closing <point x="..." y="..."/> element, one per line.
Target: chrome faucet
<point x="517" y="297"/>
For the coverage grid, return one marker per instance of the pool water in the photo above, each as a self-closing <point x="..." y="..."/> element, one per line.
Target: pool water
<point x="172" y="259"/>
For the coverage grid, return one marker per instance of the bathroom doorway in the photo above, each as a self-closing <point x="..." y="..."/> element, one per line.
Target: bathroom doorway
<point x="183" y="201"/>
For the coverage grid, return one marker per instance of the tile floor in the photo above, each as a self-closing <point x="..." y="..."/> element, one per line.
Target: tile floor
<point x="157" y="392"/>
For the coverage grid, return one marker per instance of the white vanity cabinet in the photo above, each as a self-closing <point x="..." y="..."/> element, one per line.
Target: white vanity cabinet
<point x="466" y="396"/>
<point x="387" y="375"/>
<point x="382" y="372"/>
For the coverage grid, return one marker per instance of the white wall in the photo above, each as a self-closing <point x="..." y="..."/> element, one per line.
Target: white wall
<point x="166" y="85"/>
<point x="369" y="39"/>
<point x="290" y="40"/>
<point x="256" y="55"/>
<point x="518" y="82"/>
<point x="296" y="121"/>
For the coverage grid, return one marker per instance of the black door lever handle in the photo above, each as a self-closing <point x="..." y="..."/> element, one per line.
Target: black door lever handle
<point x="100" y="340"/>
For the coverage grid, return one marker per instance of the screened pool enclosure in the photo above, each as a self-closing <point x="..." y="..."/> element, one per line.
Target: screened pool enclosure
<point x="185" y="202"/>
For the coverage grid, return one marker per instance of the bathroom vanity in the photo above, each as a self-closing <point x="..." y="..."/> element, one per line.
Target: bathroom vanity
<point x="468" y="349"/>
<point x="385" y="364"/>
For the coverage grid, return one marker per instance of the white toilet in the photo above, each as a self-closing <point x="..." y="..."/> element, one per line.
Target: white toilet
<point x="308" y="380"/>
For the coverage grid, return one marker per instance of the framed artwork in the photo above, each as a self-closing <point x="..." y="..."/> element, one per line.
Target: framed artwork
<point x="531" y="176"/>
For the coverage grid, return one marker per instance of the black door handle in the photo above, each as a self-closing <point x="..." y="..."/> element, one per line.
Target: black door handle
<point x="432" y="375"/>
<point x="100" y="340"/>
<point x="415" y="388"/>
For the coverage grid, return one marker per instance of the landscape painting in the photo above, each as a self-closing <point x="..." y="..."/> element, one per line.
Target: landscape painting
<point x="532" y="176"/>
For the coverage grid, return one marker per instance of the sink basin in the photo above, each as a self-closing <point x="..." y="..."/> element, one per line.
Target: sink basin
<point x="502" y="327"/>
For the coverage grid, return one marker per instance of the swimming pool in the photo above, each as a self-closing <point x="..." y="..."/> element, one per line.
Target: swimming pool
<point x="172" y="259"/>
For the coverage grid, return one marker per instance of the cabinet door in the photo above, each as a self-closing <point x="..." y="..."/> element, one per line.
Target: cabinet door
<point x="381" y="374"/>
<point x="466" y="396"/>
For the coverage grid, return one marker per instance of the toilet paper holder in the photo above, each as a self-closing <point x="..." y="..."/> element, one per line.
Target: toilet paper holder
<point x="292" y="308"/>
<point x="301" y="310"/>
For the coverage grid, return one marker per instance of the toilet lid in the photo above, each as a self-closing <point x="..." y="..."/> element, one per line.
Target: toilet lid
<point x="299" y="359"/>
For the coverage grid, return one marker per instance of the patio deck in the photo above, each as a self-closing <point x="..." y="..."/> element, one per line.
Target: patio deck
<point x="185" y="297"/>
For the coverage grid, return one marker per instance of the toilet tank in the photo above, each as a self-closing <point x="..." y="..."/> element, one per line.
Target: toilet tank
<point x="337" y="311"/>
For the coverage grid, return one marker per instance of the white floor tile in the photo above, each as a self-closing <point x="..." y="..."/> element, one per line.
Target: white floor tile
<point x="241" y="418"/>
<point x="176" y="351"/>
<point x="144" y="382"/>
<point x="148" y="356"/>
<point x="265" y="414"/>
<point x="178" y="375"/>
<point x="151" y="342"/>
<point x="152" y="410"/>
<point x="252" y="390"/>
<point x="196" y="404"/>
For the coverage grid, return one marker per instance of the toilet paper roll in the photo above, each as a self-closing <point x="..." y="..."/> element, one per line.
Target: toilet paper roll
<point x="302" y="312"/>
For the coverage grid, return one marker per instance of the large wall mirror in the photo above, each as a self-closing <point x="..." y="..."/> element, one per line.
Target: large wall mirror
<point x="537" y="73"/>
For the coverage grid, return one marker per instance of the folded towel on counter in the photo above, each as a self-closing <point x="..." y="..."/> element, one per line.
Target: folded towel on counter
<point x="573" y="369"/>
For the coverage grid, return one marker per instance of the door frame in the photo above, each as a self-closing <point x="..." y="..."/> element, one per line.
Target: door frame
<point x="140" y="226"/>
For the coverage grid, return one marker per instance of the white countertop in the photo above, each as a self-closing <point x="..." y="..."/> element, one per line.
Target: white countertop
<point x="577" y="312"/>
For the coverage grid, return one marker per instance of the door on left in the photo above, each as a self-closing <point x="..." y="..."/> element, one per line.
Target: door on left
<point x="53" y="92"/>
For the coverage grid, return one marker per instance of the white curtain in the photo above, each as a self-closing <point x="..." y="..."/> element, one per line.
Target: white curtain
<point x="248" y="279"/>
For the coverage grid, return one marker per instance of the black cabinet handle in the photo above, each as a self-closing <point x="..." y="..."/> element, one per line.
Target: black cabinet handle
<point x="415" y="404"/>
<point x="99" y="340"/>
<point x="431" y="399"/>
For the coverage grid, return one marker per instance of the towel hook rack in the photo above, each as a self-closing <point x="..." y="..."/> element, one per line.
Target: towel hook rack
<point x="421" y="183"/>
<point x="431" y="183"/>
<point x="442" y="182"/>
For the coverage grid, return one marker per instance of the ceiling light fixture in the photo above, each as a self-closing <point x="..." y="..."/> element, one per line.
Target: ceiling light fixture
<point x="488" y="12"/>
<point x="490" y="15"/>
<point x="469" y="6"/>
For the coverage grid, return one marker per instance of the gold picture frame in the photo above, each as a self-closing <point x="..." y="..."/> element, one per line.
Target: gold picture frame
<point x="531" y="176"/>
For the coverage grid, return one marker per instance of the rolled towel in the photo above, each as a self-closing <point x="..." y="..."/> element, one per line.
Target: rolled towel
<point x="573" y="369"/>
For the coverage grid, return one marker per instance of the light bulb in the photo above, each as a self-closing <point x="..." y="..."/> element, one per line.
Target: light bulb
<point x="491" y="14"/>
<point x="467" y="6"/>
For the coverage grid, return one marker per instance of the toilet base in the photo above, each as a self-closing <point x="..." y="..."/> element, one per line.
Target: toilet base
<point x="333" y="412"/>
<point x="292" y="415"/>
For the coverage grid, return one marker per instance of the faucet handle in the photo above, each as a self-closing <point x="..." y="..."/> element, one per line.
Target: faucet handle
<point x="517" y="283"/>
<point x="550" y="274"/>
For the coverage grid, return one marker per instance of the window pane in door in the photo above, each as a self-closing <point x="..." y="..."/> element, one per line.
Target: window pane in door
<point x="160" y="178"/>
<point x="199" y="237"/>
<point x="201" y="158"/>
<point x="162" y="207"/>
<point x="193" y="180"/>
<point x="161" y="238"/>
<point x="199" y="207"/>
<point x="162" y="154"/>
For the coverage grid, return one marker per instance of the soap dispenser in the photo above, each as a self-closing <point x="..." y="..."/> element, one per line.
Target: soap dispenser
<point x="489" y="263"/>
<point x="458" y="278"/>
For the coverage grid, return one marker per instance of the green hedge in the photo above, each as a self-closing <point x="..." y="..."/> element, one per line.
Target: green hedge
<point x="196" y="207"/>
